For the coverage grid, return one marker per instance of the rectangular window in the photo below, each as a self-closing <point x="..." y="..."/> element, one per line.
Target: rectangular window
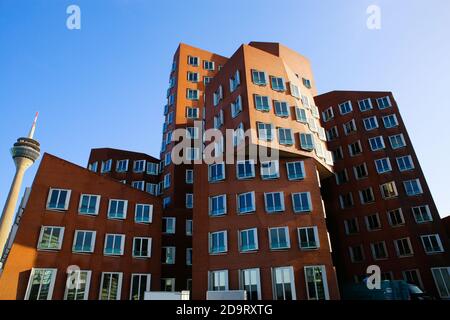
<point x="366" y="196"/>
<point x="349" y="127"/>
<point x="151" y="188"/>
<point x="193" y="61"/>
<point x="143" y="213"/>
<point x="218" y="242"/>
<point x="168" y="284"/>
<point x="384" y="102"/>
<point x="346" y="200"/>
<point x="373" y="222"/>
<point x="152" y="168"/>
<point x="422" y="214"/>
<point x="274" y="201"/>
<point x="93" y="166"/>
<point x="351" y="226"/>
<point x="139" y="166"/>
<point x="235" y="81"/>
<point x="117" y="209"/>
<point x="413" y="277"/>
<point x="208" y="65"/>
<point x="356" y="254"/>
<point x="403" y="247"/>
<point x="301" y="202"/>
<point x="395" y="217"/>
<point x="308" y="238"/>
<point x="441" y="278"/>
<point x="114" y="244"/>
<point x="281" y="108"/>
<point x="270" y="170"/>
<point x="217" y="96"/>
<point x="383" y="165"/>
<point x="376" y="143"/>
<point x="192" y="76"/>
<point x="360" y="171"/>
<point x="78" y="289"/>
<point x="248" y="240"/>
<point x="166" y="179"/>
<point x="89" y="204"/>
<point x="397" y="141"/>
<point x="106" y="166"/>
<point x="142" y="247"/>
<point x="250" y="281"/>
<point x="277" y="83"/>
<point x="189" y="200"/>
<point x="168" y="225"/>
<point x="306" y="83"/>
<point x="265" y="131"/>
<point x="379" y="251"/>
<point x="295" y="170"/>
<point x="283" y="283"/>
<point x="355" y="148"/>
<point x="432" y="243"/>
<point x="189" y="176"/>
<point x="345" y="107"/>
<point x="41" y="284"/>
<point x="192" y="94"/>
<point x="245" y="169"/>
<point x="216" y="172"/>
<point x="218" y="205"/>
<point x="58" y="199"/>
<point x="389" y="190"/>
<point x="332" y="133"/>
<point x="328" y="114"/>
<point x="191" y="113"/>
<point x="300" y="114"/>
<point x="365" y="105"/>
<point x="218" y="280"/>
<point x="341" y="177"/>
<point x="207" y="80"/>
<point x="140" y="185"/>
<point x="390" y="121"/>
<point x="285" y="136"/>
<point x="262" y="103"/>
<point x="236" y="107"/>
<point x="189" y="227"/>
<point x="412" y="187"/>
<point x="50" y="238"/>
<point x="84" y="241"/>
<point x="295" y="91"/>
<point x="168" y="255"/>
<point x="370" y="123"/>
<point x="140" y="283"/>
<point x="279" y="238"/>
<point x="166" y="202"/>
<point x="111" y="286"/>
<point x="306" y="141"/>
<point x="405" y="163"/>
<point x="316" y="281"/>
<point x="246" y="202"/>
<point x="122" y="166"/>
<point x="189" y="256"/>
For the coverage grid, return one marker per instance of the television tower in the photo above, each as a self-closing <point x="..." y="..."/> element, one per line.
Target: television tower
<point x="24" y="153"/>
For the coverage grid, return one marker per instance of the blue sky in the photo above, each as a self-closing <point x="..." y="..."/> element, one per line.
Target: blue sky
<point x="104" y="85"/>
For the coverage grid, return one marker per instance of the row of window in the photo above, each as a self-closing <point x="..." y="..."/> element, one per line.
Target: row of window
<point x="195" y="62"/>
<point x="139" y="166"/>
<point x="395" y="217"/>
<point x="283" y="282"/>
<point x="388" y="191"/>
<point x="364" y="105"/>
<point x="89" y="204"/>
<point x="431" y="245"/>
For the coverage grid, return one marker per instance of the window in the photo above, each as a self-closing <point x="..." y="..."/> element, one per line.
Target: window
<point x="274" y="201"/>
<point x="192" y="76"/>
<point x="422" y="214"/>
<point x="441" y="278"/>
<point x="191" y="113"/>
<point x="151" y="188"/>
<point x="218" y="280"/>
<point x="356" y="254"/>
<point x="383" y="165"/>
<point x="218" y="120"/>
<point x="248" y="240"/>
<point x="345" y="107"/>
<point x="246" y="202"/>
<point x="370" y="123"/>
<point x="166" y="202"/>
<point x="168" y="255"/>
<point x="192" y="94"/>
<point x="84" y="241"/>
<point x="301" y="202"/>
<point x="365" y="105"/>
<point x="77" y="285"/>
<point x="366" y="196"/>
<point x="250" y="281"/>
<point x="111" y="286"/>
<point x="106" y="166"/>
<point x="360" y="171"/>
<point x="89" y="204"/>
<point x="218" y="205"/>
<point x="285" y="136"/>
<point x="306" y="141"/>
<point x="189" y="201"/>
<point x="349" y="127"/>
<point x="236" y="107"/>
<point x="379" y="251"/>
<point x="217" y="96"/>
<point x="308" y="238"/>
<point x="432" y="243"/>
<point x="390" y="121"/>
<point x="389" y="190"/>
<point x="171" y="100"/>
<point x="376" y="143"/>
<point x="41" y="283"/>
<point x="355" y="148"/>
<point x="265" y="131"/>
<point x="216" y="172"/>
<point x="279" y="238"/>
<point x="152" y="168"/>
<point x="332" y="133"/>
<point x="189" y="176"/>
<point x="300" y="114"/>
<point x="189" y="256"/>
<point x="245" y="169"/>
<point x="168" y="225"/>
<point x="270" y="170"/>
<point x="114" y="244"/>
<point x="262" y="103"/>
<point x="283" y="283"/>
<point x="328" y="114"/>
<point x="397" y="141"/>
<point x="140" y="283"/>
<point x="168" y="284"/>
<point x="166" y="183"/>
<point x="295" y="170"/>
<point x="139" y="166"/>
<point x="143" y="213"/>
<point x="346" y="200"/>
<point x="192" y="154"/>
<point x="140" y="185"/>
<point x="207" y="80"/>
<point x="306" y="83"/>
<point x="281" y="108"/>
<point x="384" y="102"/>
<point x="351" y="226"/>
<point x="403" y="247"/>
<point x="189" y="227"/>
<point x="208" y="65"/>
<point x="235" y="81"/>
<point x="117" y="209"/>
<point x="395" y="217"/>
<point x="316" y="281"/>
<point x="312" y="124"/>
<point x="295" y="91"/>
<point x="341" y="177"/>
<point x="218" y="242"/>
<point x="373" y="222"/>
<point x="142" y="247"/>
<point x="50" y="238"/>
<point x="122" y="166"/>
<point x="93" y="166"/>
<point x="412" y="187"/>
<point x="277" y="83"/>
<point x="405" y="163"/>
<point x="413" y="277"/>
<point x="168" y="156"/>
<point x="58" y="199"/>
<point x="238" y="134"/>
<point x="193" y="61"/>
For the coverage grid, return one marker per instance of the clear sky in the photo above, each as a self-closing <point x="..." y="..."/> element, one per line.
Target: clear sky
<point x="105" y="85"/>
